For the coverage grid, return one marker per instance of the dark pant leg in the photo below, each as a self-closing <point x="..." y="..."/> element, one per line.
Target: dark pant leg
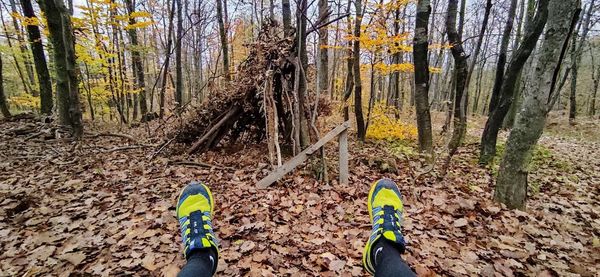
<point x="388" y="261"/>
<point x="200" y="263"/>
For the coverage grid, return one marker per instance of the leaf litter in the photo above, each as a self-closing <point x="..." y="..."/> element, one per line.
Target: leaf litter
<point x="113" y="212"/>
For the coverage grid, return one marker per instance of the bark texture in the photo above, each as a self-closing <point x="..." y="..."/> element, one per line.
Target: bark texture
<point x="3" y="104"/>
<point x="39" y="59"/>
<point x="461" y="72"/>
<point x="223" y="35"/>
<point x="358" y="112"/>
<point x="421" y="88"/>
<point x="502" y="55"/>
<point x="506" y="95"/>
<point x="511" y="185"/>
<point x="61" y="37"/>
<point x="136" y="60"/>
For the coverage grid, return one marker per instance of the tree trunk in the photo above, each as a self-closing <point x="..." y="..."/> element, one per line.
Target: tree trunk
<point x="518" y="98"/>
<point x="136" y="60"/>
<point x="61" y="36"/>
<point x="24" y="81"/>
<point x="358" y="112"/>
<point x="577" y="50"/>
<point x="39" y="58"/>
<point x="506" y="95"/>
<point x="3" y="104"/>
<point x="421" y="87"/>
<point x="287" y="17"/>
<point x="23" y="47"/>
<point x="511" y="185"/>
<point x="223" y="36"/>
<point x="461" y="93"/>
<point x="323" y="70"/>
<point x="167" y="60"/>
<point x="502" y="55"/>
<point x="301" y="21"/>
<point x="178" y="68"/>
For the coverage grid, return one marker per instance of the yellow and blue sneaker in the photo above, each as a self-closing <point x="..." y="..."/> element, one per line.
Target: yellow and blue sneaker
<point x="194" y="212"/>
<point x="385" y="210"/>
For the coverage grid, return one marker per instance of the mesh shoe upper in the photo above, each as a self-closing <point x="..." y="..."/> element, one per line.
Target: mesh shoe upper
<point x="385" y="210"/>
<point x="194" y="212"/>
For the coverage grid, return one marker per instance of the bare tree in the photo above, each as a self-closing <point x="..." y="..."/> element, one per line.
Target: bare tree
<point x="511" y="185"/>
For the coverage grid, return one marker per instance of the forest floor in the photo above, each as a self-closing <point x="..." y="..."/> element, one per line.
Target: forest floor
<point x="103" y="207"/>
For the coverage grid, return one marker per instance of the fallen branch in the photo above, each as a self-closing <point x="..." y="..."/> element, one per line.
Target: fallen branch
<point x="199" y="164"/>
<point x="232" y="112"/>
<point x="123" y="148"/>
<point x="112" y="135"/>
<point x="165" y="144"/>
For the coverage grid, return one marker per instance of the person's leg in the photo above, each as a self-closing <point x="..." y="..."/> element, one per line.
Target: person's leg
<point x="200" y="263"/>
<point x="194" y="212"/>
<point x="388" y="261"/>
<point x="381" y="256"/>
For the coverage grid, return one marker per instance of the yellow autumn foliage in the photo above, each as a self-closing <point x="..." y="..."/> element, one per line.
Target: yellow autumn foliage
<point x="24" y="101"/>
<point x="385" y="127"/>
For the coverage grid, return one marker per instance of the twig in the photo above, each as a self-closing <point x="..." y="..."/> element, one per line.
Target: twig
<point x="199" y="164"/>
<point x="112" y="135"/>
<point x="122" y="148"/>
<point x="56" y="161"/>
<point x="327" y="23"/>
<point x="161" y="148"/>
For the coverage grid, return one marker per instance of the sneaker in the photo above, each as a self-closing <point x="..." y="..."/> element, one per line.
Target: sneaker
<point x="385" y="210"/>
<point x="194" y="212"/>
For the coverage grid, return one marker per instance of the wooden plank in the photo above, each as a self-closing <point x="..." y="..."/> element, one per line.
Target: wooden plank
<point x="343" y="159"/>
<point x="301" y="157"/>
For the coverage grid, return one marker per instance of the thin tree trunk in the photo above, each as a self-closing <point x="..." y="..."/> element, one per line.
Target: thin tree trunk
<point x="26" y="84"/>
<point x="511" y="184"/>
<point x="301" y="18"/>
<point x="461" y="93"/>
<point x="178" y="68"/>
<point x="39" y="58"/>
<point x="136" y="60"/>
<point x="287" y="17"/>
<point x="349" y="74"/>
<point x="167" y="60"/>
<point x="421" y="87"/>
<point x="323" y="70"/>
<point x="502" y="55"/>
<point x="3" y="104"/>
<point x="223" y="36"/>
<point x="360" y="122"/>
<point x="577" y="50"/>
<point x="23" y="48"/>
<point x="506" y="95"/>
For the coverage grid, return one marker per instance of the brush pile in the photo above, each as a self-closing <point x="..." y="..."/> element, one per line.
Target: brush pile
<point x="247" y="106"/>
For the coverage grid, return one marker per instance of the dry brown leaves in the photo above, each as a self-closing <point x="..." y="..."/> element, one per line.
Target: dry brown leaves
<point x="113" y="213"/>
